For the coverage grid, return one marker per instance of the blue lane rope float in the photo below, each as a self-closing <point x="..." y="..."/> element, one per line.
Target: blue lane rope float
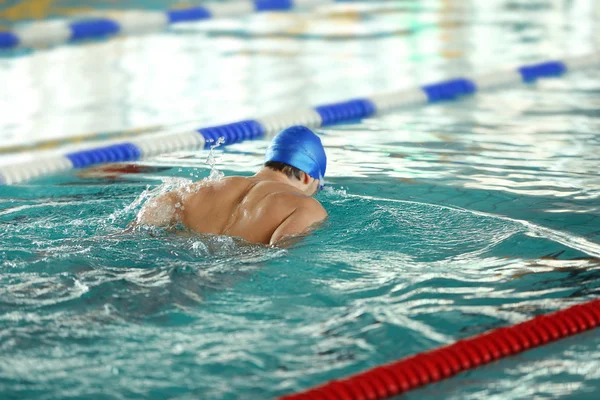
<point x="320" y="116"/>
<point x="50" y="33"/>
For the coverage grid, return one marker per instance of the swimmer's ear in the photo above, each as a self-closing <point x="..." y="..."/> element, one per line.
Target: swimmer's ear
<point x="305" y="178"/>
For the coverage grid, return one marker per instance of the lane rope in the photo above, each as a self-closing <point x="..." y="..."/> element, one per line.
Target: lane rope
<point x="315" y="117"/>
<point x="56" y="32"/>
<point x="416" y="371"/>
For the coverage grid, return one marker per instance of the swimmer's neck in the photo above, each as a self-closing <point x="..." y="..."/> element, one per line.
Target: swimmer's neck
<point x="302" y="185"/>
<point x="267" y="174"/>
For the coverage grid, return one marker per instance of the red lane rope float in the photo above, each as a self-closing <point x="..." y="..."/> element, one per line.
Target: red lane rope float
<point x="421" y="369"/>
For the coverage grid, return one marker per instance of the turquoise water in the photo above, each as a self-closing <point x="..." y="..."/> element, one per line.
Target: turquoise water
<point x="445" y="221"/>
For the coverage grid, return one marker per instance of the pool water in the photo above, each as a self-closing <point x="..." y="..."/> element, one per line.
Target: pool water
<point x="444" y="221"/>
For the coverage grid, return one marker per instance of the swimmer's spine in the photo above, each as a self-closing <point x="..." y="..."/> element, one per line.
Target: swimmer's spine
<point x="51" y="33"/>
<point x="393" y="379"/>
<point x="320" y="116"/>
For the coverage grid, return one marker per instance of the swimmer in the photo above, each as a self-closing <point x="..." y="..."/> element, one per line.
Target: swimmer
<point x="273" y="205"/>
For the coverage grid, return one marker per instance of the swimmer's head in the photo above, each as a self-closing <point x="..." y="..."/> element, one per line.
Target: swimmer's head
<point x="301" y="149"/>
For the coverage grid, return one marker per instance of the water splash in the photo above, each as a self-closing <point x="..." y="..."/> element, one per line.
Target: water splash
<point x="167" y="213"/>
<point x="211" y="160"/>
<point x="168" y="184"/>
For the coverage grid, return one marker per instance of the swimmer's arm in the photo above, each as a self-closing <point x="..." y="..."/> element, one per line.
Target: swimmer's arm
<point x="163" y="210"/>
<point x="301" y="221"/>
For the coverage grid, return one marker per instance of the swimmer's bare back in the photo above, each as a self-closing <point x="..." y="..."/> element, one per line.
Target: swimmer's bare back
<point x="256" y="210"/>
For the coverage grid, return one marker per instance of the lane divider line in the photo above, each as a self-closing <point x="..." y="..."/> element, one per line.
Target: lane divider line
<point x="393" y="379"/>
<point x="315" y="117"/>
<point x="52" y="33"/>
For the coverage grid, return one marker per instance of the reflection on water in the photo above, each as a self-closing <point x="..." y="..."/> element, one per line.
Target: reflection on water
<point x="14" y="11"/>
<point x="445" y="220"/>
<point x="185" y="76"/>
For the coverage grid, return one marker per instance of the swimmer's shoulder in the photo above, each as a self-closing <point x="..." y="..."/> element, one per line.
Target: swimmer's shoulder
<point x="298" y="201"/>
<point x="313" y="206"/>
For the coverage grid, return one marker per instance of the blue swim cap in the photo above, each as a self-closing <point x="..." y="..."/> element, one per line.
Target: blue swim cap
<point x="299" y="147"/>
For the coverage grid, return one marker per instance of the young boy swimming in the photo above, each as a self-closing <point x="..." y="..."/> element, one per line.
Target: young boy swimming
<point x="268" y="207"/>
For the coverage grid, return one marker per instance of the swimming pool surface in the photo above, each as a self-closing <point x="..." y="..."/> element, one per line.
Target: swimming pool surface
<point x="445" y="220"/>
